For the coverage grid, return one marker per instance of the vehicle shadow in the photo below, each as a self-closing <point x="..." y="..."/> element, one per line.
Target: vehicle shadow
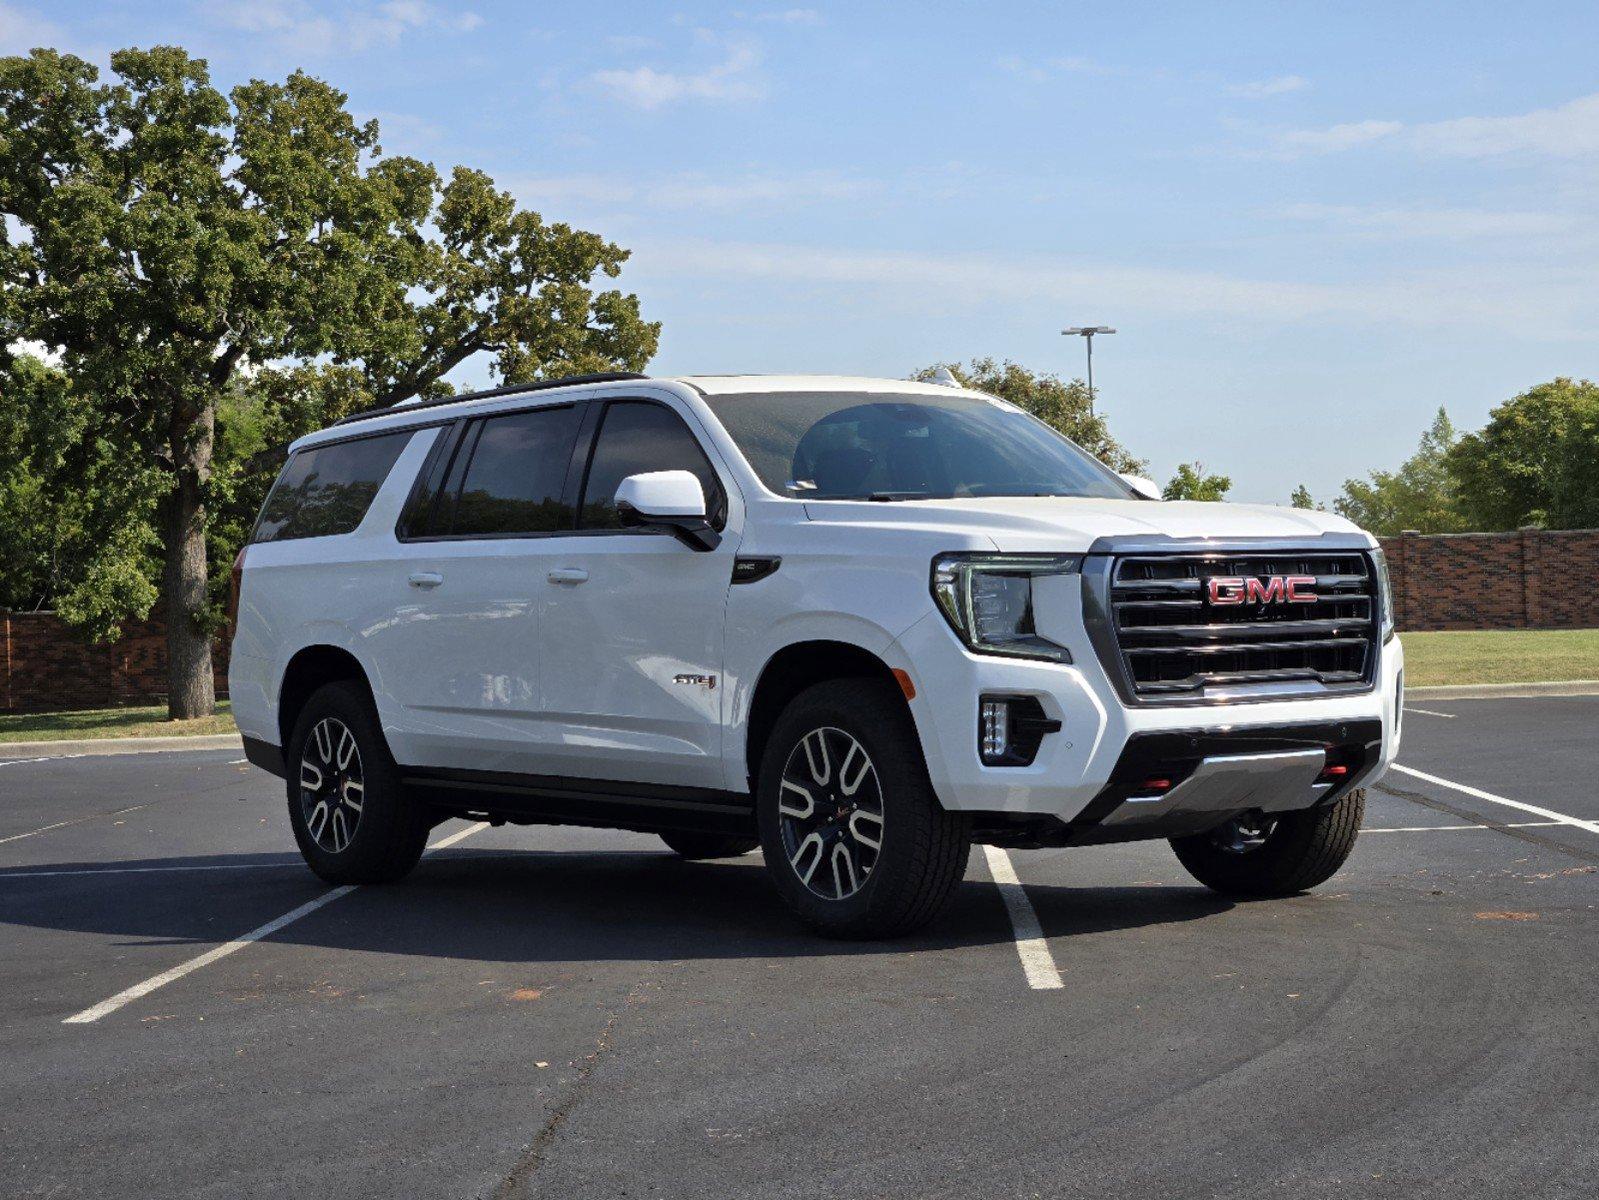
<point x="531" y="906"/>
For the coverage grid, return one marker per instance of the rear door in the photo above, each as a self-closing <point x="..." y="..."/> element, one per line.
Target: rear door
<point x="632" y="636"/>
<point x="463" y="641"/>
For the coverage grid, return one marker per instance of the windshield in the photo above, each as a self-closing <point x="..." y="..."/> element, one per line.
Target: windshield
<point x="855" y="446"/>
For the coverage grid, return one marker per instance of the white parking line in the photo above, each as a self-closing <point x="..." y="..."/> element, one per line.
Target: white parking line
<point x="116" y="812"/>
<point x="1448" y="828"/>
<point x="129" y="995"/>
<point x="1427" y="712"/>
<point x="1549" y="814"/>
<point x="5" y="875"/>
<point x="17" y="762"/>
<point x="1037" y="962"/>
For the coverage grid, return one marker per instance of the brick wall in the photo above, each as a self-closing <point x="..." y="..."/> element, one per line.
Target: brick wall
<point x="45" y="667"/>
<point x="1530" y="579"/>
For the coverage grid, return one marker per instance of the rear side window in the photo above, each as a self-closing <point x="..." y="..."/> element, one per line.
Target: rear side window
<point x="326" y="490"/>
<point x="636" y="436"/>
<point x="513" y="480"/>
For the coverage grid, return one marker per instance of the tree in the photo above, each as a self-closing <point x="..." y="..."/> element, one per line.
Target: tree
<point x="166" y="240"/>
<point x="1575" y="502"/>
<point x="1507" y="474"/>
<point x="1193" y="483"/>
<point x="74" y="519"/>
<point x="1060" y="404"/>
<point x="1420" y="495"/>
<point x="1302" y="498"/>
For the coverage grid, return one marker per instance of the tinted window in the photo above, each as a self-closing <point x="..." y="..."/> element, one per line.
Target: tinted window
<point x="514" y="478"/>
<point x="327" y="489"/>
<point x="850" y="446"/>
<point x="635" y="437"/>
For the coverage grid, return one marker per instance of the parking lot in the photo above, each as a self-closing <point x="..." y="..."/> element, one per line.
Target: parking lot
<point x="573" y="1013"/>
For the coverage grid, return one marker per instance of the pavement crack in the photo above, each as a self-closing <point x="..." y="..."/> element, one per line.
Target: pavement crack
<point x="515" y="1186"/>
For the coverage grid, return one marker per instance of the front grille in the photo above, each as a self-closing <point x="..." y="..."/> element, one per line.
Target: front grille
<point x="1175" y="644"/>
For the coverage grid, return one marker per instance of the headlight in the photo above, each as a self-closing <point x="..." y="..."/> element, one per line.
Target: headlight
<point x="988" y="600"/>
<point x="1385" y="593"/>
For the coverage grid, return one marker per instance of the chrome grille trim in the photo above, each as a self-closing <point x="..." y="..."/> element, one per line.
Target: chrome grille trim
<point x="1162" y="642"/>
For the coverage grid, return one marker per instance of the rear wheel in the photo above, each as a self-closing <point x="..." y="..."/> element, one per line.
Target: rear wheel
<point x="708" y="845"/>
<point x="351" y="818"/>
<point x="1293" y="852"/>
<point x="853" y="835"/>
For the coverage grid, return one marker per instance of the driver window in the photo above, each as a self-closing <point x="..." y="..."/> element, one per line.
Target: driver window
<point x="636" y="436"/>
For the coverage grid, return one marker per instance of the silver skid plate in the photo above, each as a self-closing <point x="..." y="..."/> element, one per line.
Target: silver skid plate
<point x="1278" y="782"/>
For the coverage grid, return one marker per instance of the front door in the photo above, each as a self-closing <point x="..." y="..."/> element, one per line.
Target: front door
<point x="632" y="634"/>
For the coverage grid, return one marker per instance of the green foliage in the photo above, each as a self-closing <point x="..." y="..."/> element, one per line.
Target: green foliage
<point x="1421" y="495"/>
<point x="167" y="240"/>
<point x="1575" y="503"/>
<point x="1303" y="499"/>
<point x="1192" y="482"/>
<point x="1532" y="464"/>
<point x="1058" y="403"/>
<point x="75" y="522"/>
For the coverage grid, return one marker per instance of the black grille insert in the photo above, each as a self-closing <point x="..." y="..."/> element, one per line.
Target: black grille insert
<point x="1176" y="642"/>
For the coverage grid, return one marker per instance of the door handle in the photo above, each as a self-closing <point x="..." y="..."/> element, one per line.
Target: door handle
<point x="424" y="579"/>
<point x="569" y="575"/>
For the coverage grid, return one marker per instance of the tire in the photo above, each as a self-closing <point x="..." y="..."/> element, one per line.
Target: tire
<point x="1302" y="850"/>
<point x="922" y="850"/>
<point x="708" y="845"/>
<point x="338" y="741"/>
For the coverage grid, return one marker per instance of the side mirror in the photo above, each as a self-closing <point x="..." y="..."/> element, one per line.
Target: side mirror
<point x="1144" y="487"/>
<point x="669" y="500"/>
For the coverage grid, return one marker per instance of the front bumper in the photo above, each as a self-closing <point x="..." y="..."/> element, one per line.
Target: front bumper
<point x="1076" y="774"/>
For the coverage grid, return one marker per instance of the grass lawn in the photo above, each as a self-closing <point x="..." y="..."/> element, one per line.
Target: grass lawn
<point x="108" y="722"/>
<point x="1500" y="656"/>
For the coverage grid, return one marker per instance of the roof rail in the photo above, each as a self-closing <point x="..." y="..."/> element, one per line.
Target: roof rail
<point x="510" y="389"/>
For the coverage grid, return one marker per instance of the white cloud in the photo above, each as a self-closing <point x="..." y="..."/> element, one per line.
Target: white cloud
<point x="1338" y="137"/>
<point x="695" y="191"/>
<point x="22" y="31"/>
<point x="729" y="80"/>
<point x="1260" y="89"/>
<point x="1449" y="223"/>
<point x="49" y="355"/>
<point x="788" y="16"/>
<point x="1569" y="130"/>
<point x="1556" y="303"/>
<point x="307" y="29"/>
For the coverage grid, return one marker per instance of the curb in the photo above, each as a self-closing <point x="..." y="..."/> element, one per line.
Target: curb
<point x="1504" y="691"/>
<point x="106" y="746"/>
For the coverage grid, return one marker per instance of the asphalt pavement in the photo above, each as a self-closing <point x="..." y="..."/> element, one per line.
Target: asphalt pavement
<point x="186" y="1011"/>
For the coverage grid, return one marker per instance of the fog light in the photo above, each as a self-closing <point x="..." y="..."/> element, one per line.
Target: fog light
<point x="995" y="731"/>
<point x="1009" y="730"/>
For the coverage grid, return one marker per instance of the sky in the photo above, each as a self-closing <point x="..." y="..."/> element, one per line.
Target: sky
<point x="1310" y="225"/>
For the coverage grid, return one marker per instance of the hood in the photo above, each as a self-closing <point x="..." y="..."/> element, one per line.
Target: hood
<point x="1067" y="524"/>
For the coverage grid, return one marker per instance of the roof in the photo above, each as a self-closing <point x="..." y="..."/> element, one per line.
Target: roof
<point x="725" y="385"/>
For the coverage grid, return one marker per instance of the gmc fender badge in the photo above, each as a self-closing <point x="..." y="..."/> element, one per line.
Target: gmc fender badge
<point x="708" y="682"/>
<point x="1274" y="589"/>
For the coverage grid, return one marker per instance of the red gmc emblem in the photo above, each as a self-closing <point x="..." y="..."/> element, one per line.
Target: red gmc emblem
<point x="1274" y="589"/>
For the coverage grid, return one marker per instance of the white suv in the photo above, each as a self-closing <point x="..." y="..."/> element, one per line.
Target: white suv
<point x="859" y="623"/>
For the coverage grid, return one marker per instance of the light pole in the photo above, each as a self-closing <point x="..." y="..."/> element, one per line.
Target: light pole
<point x="1087" y="332"/>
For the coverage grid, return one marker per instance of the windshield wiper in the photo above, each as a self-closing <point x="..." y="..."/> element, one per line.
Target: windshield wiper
<point x="890" y="497"/>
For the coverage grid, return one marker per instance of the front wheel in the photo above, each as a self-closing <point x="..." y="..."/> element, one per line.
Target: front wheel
<point x="854" y="837"/>
<point x="1257" y="856"/>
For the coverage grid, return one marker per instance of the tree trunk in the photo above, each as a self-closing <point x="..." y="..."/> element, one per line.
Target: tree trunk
<point x="191" y="687"/>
